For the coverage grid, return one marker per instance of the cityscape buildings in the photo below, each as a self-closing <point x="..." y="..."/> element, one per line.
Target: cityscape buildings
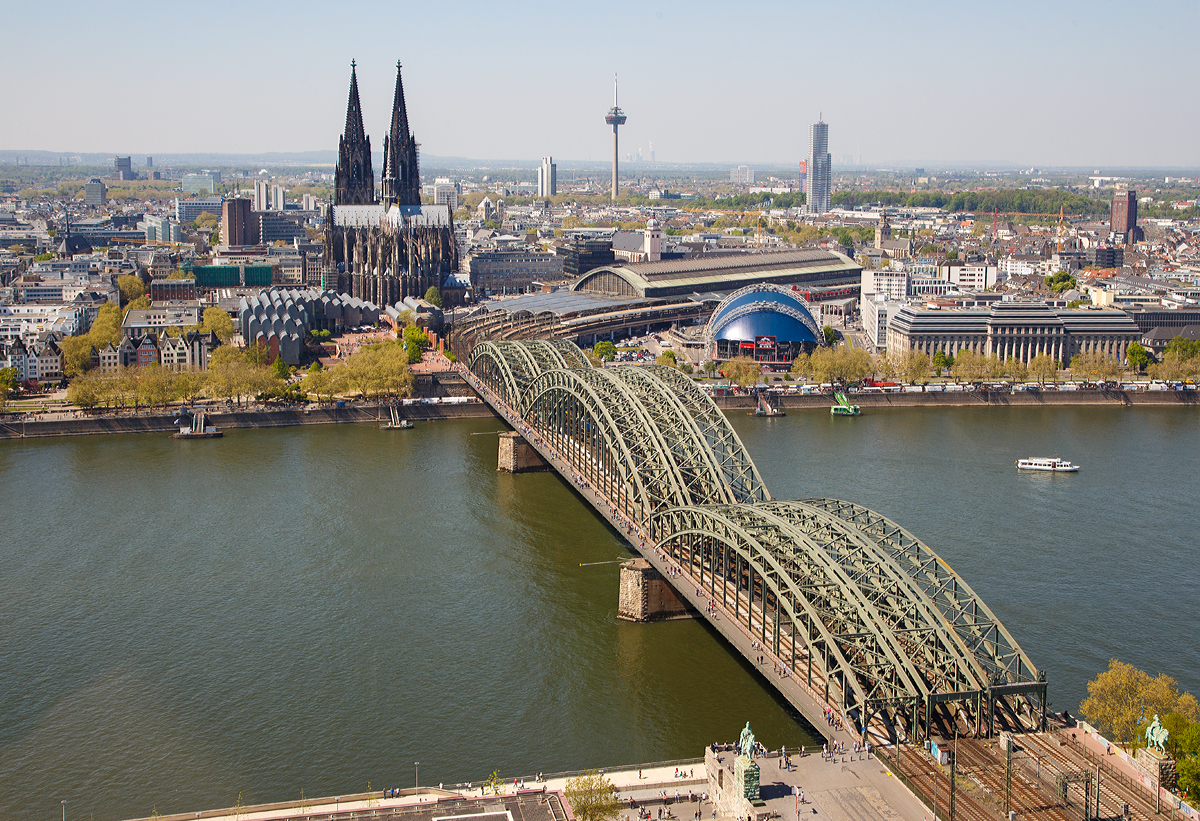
<point x="1123" y="217"/>
<point x="820" y="169"/>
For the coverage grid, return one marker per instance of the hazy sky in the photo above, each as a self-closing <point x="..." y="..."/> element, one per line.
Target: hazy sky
<point x="1037" y="83"/>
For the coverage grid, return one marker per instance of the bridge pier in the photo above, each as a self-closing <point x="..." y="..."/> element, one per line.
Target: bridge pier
<point x="517" y="456"/>
<point x="646" y="595"/>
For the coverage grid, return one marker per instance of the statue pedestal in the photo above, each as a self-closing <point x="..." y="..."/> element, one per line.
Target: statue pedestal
<point x="1159" y="767"/>
<point x="733" y="784"/>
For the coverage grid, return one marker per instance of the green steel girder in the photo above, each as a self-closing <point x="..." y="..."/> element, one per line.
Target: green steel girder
<point x="737" y="467"/>
<point x="857" y="672"/>
<point x="912" y="621"/>
<point x="686" y="444"/>
<point x="977" y="630"/>
<point x="560" y="404"/>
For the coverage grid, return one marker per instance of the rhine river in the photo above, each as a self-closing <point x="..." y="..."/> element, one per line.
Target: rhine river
<point x="317" y="608"/>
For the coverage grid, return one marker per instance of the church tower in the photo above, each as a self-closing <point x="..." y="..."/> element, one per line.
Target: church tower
<point x="401" y="178"/>
<point x="354" y="180"/>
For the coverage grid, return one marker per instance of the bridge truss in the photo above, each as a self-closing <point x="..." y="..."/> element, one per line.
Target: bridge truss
<point x="874" y="622"/>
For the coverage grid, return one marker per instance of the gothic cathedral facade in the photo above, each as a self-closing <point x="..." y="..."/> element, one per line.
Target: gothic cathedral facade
<point x="383" y="250"/>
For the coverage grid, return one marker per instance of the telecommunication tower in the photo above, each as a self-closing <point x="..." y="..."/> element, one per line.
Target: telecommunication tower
<point x="615" y="117"/>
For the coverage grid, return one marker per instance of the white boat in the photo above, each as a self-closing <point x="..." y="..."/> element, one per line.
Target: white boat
<point x="1054" y="465"/>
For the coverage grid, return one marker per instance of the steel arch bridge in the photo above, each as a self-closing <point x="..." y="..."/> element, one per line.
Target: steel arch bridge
<point x="874" y="623"/>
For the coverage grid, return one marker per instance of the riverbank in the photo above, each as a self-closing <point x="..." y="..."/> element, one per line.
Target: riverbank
<point x="272" y="418"/>
<point x="958" y="399"/>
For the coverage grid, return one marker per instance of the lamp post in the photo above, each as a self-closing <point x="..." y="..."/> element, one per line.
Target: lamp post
<point x="417" y="774"/>
<point x="64" y="808"/>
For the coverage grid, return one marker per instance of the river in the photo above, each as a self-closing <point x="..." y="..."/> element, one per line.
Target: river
<point x="317" y="608"/>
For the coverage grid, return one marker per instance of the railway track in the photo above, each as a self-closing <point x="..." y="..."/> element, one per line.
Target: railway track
<point x="984" y="763"/>
<point x="1116" y="791"/>
<point x="934" y="783"/>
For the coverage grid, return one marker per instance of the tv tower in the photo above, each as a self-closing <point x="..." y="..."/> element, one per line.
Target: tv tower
<point x="615" y="117"/>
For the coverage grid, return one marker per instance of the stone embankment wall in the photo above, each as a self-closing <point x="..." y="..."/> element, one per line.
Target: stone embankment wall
<point x="977" y="399"/>
<point x="439" y="385"/>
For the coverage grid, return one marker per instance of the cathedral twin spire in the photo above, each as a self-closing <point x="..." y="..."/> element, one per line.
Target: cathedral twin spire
<point x="354" y="180"/>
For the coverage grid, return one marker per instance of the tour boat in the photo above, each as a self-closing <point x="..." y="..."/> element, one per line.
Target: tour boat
<point x="1054" y="465"/>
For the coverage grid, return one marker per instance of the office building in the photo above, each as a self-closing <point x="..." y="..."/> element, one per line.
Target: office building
<point x="187" y="210"/>
<point x="1123" y="218"/>
<point x="1104" y="257"/>
<point x="237" y="225"/>
<point x="95" y="193"/>
<point x="149" y="162"/>
<point x="820" y="168"/>
<point x="123" y="168"/>
<point x="742" y="175"/>
<point x="309" y="202"/>
<point x="203" y="183"/>
<point x="547" y="181"/>
<point x="262" y="195"/>
<point x="161" y="229"/>
<point x="445" y="193"/>
<point x="509" y="271"/>
<point x="276" y="197"/>
<point x="1021" y="330"/>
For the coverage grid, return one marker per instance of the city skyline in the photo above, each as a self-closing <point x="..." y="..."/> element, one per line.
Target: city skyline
<point x="1038" y="108"/>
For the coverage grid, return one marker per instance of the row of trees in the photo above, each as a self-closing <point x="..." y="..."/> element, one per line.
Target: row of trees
<point x="232" y="374"/>
<point x="375" y="371"/>
<point x="1011" y="201"/>
<point x="106" y="329"/>
<point x="1123" y="700"/>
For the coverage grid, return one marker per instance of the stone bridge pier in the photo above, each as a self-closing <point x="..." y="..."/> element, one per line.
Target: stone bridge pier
<point x="646" y="596"/>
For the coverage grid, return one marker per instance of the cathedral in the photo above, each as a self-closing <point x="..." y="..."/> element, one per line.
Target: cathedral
<point x="383" y="250"/>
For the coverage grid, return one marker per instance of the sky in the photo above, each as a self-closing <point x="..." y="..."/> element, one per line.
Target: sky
<point x="1040" y="84"/>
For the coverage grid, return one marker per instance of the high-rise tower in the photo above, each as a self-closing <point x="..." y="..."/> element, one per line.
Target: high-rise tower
<point x="1123" y="217"/>
<point x="615" y="117"/>
<point x="354" y="181"/>
<point x="548" y="178"/>
<point x="401" y="178"/>
<point x="820" y="168"/>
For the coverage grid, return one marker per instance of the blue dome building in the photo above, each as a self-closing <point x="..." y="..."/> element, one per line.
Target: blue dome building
<point x="771" y="323"/>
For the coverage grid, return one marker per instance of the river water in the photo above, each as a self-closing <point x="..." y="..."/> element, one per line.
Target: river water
<point x="317" y="608"/>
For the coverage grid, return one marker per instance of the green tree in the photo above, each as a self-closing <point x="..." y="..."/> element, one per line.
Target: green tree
<point x="667" y="358"/>
<point x="591" y="797"/>
<point x="802" y="365"/>
<point x="217" y="320"/>
<point x="830" y="335"/>
<point x="1189" y="774"/>
<point x="1044" y="367"/>
<point x="280" y="369"/>
<point x="742" y="371"/>
<point x="606" y="350"/>
<point x="941" y="362"/>
<point x="710" y="366"/>
<point x="1060" y="282"/>
<point x="1137" y="356"/>
<point x="434" y="296"/>
<point x="1122" y="698"/>
<point x="1184" y="348"/>
<point x="131" y="287"/>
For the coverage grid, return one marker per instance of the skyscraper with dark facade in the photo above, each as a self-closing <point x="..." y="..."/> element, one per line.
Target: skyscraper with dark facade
<point x="820" y="169"/>
<point x="1123" y="219"/>
<point x="384" y="251"/>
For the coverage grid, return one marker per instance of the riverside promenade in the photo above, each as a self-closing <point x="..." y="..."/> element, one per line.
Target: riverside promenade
<point x="846" y="788"/>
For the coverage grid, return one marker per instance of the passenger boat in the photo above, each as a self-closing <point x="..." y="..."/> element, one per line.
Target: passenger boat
<point x="197" y="428"/>
<point x="397" y="423"/>
<point x="843" y="406"/>
<point x="1054" y="465"/>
